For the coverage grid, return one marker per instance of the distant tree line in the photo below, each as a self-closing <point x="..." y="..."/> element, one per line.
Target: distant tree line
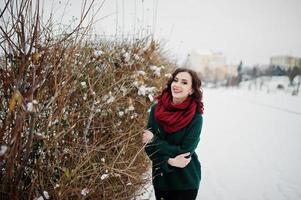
<point x="272" y="70"/>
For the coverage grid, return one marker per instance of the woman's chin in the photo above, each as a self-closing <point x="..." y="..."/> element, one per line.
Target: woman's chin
<point x="178" y="99"/>
<point x="178" y="96"/>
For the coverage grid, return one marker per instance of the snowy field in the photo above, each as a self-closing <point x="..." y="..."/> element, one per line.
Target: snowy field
<point x="250" y="146"/>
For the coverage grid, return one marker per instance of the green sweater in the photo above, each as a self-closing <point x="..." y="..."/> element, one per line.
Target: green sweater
<point x="165" y="146"/>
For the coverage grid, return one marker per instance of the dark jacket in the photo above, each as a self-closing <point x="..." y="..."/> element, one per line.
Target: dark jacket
<point x="169" y="145"/>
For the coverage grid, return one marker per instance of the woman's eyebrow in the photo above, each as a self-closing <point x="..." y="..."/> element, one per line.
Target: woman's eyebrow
<point x="183" y="79"/>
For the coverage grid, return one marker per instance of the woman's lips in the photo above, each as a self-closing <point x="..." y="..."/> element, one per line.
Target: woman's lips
<point x="176" y="91"/>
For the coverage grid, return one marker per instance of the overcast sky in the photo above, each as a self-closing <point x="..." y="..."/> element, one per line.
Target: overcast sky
<point x="247" y="30"/>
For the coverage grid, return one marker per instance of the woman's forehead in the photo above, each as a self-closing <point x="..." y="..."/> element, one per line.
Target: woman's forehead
<point x="183" y="75"/>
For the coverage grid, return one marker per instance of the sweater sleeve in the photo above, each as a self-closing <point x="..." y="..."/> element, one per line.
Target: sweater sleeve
<point x="151" y="149"/>
<point x="161" y="150"/>
<point x="189" y="143"/>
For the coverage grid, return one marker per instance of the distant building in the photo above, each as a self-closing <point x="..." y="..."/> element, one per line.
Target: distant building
<point x="211" y="65"/>
<point x="285" y="62"/>
<point x="199" y="61"/>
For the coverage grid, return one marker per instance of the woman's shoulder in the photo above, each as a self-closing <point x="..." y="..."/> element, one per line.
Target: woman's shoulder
<point x="153" y="106"/>
<point x="197" y="122"/>
<point x="198" y="117"/>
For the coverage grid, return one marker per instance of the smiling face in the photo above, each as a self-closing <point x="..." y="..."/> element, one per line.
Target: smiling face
<point x="181" y="87"/>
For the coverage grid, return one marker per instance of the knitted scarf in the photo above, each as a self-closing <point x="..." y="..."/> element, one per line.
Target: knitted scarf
<point x="173" y="117"/>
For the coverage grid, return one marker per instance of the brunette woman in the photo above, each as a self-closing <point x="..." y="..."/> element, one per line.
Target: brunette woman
<point x="172" y="135"/>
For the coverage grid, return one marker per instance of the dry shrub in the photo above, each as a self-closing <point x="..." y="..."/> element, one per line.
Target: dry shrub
<point x="72" y="112"/>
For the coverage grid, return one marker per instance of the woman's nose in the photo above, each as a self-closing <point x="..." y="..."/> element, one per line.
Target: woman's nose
<point x="176" y="85"/>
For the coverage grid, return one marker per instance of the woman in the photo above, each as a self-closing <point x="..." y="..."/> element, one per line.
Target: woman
<point x="172" y="135"/>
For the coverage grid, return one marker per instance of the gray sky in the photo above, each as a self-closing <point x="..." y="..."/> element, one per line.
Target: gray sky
<point x="248" y="30"/>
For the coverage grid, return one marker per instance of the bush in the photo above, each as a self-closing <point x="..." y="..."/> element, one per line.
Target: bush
<point x="72" y="112"/>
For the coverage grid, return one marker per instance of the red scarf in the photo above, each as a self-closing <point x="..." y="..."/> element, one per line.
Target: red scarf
<point x="173" y="117"/>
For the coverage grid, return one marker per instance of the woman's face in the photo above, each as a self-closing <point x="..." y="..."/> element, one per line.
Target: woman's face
<point x="181" y="87"/>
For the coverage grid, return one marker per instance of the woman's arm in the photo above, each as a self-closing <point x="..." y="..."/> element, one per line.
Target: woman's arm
<point x="171" y="155"/>
<point x="188" y="144"/>
<point x="179" y="161"/>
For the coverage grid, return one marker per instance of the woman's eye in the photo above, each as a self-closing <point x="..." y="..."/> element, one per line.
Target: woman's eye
<point x="175" y="80"/>
<point x="185" y="83"/>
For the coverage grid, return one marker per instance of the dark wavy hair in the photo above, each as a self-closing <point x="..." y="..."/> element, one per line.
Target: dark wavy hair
<point x="197" y="94"/>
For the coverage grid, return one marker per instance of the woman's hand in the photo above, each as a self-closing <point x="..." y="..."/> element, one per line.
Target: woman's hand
<point x="180" y="161"/>
<point x="147" y="136"/>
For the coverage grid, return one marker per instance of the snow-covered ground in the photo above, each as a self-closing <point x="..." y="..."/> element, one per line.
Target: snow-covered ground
<point x="272" y="84"/>
<point x="250" y="145"/>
